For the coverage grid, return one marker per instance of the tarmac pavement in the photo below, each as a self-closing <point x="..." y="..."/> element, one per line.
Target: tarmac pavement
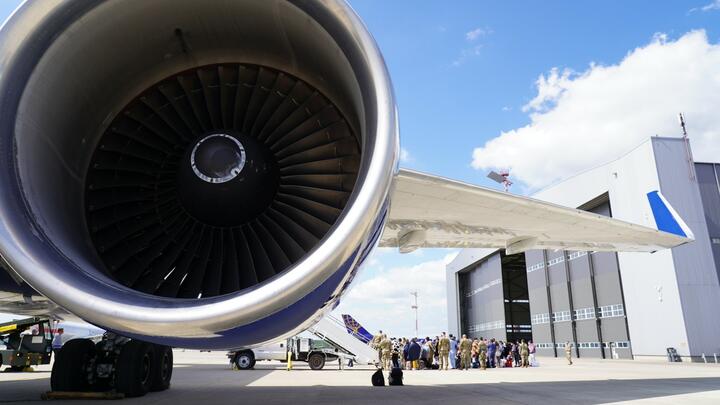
<point x="206" y="378"/>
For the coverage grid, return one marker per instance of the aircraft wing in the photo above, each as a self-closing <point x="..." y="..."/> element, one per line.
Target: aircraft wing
<point x="430" y="211"/>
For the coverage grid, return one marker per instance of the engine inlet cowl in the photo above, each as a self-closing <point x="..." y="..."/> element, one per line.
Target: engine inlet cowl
<point x="205" y="171"/>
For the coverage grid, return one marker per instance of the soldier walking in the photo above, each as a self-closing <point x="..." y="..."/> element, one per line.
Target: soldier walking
<point x="431" y="352"/>
<point x="568" y="353"/>
<point x="375" y="344"/>
<point x="524" y="353"/>
<point x="386" y="349"/>
<point x="482" y="348"/>
<point x="465" y="347"/>
<point x="474" y="352"/>
<point x="444" y="350"/>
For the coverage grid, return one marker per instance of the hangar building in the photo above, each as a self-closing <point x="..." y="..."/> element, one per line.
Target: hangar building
<point x="609" y="305"/>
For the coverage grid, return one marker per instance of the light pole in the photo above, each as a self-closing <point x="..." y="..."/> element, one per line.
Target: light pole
<point x="415" y="307"/>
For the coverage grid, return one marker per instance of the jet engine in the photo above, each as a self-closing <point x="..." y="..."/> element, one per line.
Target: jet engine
<point x="201" y="174"/>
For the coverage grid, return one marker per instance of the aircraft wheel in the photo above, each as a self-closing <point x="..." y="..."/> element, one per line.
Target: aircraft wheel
<point x="162" y="369"/>
<point x="69" y="372"/>
<point x="134" y="368"/>
<point x="316" y="361"/>
<point x="245" y="360"/>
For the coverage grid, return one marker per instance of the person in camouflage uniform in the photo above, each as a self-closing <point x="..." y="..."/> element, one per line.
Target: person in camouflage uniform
<point x="482" y="348"/>
<point x="474" y="352"/>
<point x="430" y="353"/>
<point x="444" y="350"/>
<point x="386" y="349"/>
<point x="465" y="348"/>
<point x="524" y="353"/>
<point x="375" y="344"/>
<point x="568" y="353"/>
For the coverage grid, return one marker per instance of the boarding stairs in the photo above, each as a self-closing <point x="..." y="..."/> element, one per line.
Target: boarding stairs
<point x="333" y="331"/>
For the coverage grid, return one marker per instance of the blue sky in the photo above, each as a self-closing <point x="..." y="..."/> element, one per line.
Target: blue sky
<point x="478" y="81"/>
<point x="447" y="110"/>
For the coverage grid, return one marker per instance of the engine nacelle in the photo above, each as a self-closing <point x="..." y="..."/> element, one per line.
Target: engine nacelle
<point x="205" y="174"/>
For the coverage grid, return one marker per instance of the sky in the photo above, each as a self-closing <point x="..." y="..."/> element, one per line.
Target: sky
<point x="542" y="89"/>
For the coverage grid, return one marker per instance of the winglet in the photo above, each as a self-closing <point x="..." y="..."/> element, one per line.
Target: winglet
<point x="666" y="218"/>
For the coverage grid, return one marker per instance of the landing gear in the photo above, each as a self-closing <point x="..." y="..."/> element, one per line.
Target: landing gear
<point x="116" y="363"/>
<point x="134" y="368"/>
<point x="163" y="368"/>
<point x="70" y="371"/>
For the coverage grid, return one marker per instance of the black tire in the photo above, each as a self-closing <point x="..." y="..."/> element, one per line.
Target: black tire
<point x="316" y="361"/>
<point x="134" y="368"/>
<point x="69" y="371"/>
<point x="162" y="369"/>
<point x="245" y="360"/>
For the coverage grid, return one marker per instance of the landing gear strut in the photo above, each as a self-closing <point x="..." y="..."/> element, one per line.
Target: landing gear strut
<point x="116" y="363"/>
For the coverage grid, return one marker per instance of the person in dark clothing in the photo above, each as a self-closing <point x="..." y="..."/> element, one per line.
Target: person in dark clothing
<point x="395" y="358"/>
<point x="406" y="359"/>
<point x="516" y="353"/>
<point x="491" y="353"/>
<point x="506" y="350"/>
<point x="414" y="353"/>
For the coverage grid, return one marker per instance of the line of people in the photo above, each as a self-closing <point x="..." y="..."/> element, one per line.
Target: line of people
<point x="484" y="353"/>
<point x="445" y="352"/>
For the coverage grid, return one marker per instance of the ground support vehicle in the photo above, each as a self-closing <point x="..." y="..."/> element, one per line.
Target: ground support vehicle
<point x="28" y="342"/>
<point x="333" y="341"/>
<point x="315" y="352"/>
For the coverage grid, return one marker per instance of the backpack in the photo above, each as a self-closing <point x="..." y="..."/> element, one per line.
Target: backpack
<point x="396" y="376"/>
<point x="378" y="379"/>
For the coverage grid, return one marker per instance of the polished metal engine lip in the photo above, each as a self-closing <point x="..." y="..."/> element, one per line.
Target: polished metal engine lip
<point x="98" y="299"/>
<point x="233" y="172"/>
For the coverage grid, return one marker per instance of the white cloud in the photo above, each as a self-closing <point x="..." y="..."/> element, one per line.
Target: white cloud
<point x="383" y="301"/>
<point x="405" y="156"/>
<point x="549" y="89"/>
<point x="474" y="50"/>
<point x="715" y="5"/>
<point x="612" y="109"/>
<point x="475" y="34"/>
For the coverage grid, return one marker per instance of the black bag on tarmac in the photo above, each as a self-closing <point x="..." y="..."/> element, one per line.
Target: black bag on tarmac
<point x="396" y="376"/>
<point x="378" y="379"/>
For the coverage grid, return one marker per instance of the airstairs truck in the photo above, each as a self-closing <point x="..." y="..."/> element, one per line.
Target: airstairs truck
<point x="333" y="339"/>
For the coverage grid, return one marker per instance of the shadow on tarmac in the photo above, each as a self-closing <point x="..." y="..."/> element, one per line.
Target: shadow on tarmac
<point x="202" y="384"/>
<point x="575" y="392"/>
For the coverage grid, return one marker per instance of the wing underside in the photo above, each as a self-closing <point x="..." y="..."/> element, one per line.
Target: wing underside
<point x="430" y="211"/>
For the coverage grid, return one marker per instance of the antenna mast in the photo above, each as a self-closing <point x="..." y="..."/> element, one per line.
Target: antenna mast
<point x="415" y="307"/>
<point x="502" y="178"/>
<point x="688" y="151"/>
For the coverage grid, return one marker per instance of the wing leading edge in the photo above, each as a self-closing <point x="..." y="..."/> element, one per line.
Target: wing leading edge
<point x="430" y="211"/>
